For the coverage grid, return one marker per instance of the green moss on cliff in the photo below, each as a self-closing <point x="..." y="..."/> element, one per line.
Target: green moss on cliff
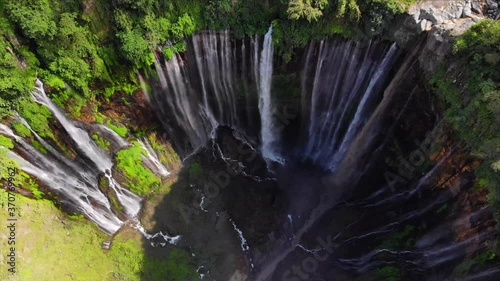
<point x="129" y="163"/>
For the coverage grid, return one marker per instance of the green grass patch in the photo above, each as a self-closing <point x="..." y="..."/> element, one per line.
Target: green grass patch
<point x="115" y="203"/>
<point x="20" y="179"/>
<point x="126" y="252"/>
<point x="99" y="117"/>
<point x="71" y="101"/>
<point x="54" y="82"/>
<point x="51" y="246"/>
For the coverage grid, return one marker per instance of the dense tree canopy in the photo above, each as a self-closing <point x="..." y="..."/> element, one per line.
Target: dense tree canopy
<point x="85" y="48"/>
<point x="308" y="9"/>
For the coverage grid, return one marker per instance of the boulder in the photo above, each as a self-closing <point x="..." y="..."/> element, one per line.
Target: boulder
<point x="422" y="25"/>
<point x="443" y="19"/>
<point x="467" y="12"/>
<point x="449" y="11"/>
<point x="476" y="8"/>
<point x="492" y="4"/>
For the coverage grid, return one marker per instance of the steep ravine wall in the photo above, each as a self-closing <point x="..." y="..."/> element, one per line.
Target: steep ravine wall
<point x="439" y="27"/>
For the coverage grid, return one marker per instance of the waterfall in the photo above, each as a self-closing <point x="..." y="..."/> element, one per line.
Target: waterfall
<point x="347" y="85"/>
<point x="341" y="81"/>
<point x="144" y="87"/>
<point x="129" y="201"/>
<point x="194" y="97"/>
<point x="151" y="159"/>
<point x="268" y="132"/>
<point x="77" y="185"/>
<point x="76" y="181"/>
<point x="81" y="138"/>
<point x="182" y="104"/>
<point x="115" y="139"/>
<point x="59" y="156"/>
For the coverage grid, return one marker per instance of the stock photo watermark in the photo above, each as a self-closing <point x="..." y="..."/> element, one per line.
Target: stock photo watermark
<point x="11" y="223"/>
<point x="416" y="158"/>
<point x="309" y="265"/>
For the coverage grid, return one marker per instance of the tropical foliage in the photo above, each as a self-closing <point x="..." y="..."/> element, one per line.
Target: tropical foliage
<point x="469" y="85"/>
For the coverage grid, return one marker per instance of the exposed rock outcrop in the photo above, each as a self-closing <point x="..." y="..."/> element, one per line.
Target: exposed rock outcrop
<point x="442" y="21"/>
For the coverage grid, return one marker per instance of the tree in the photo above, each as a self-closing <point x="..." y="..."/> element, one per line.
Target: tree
<point x="308" y="9"/>
<point x="35" y="18"/>
<point x="135" y="48"/>
<point x="313" y="9"/>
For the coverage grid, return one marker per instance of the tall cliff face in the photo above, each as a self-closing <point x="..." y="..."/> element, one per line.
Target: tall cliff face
<point x="384" y="170"/>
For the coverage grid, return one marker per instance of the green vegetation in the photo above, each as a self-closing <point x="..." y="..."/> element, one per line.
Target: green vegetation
<point x="166" y="155"/>
<point x="101" y="142"/>
<point x="469" y="86"/>
<point x="145" y="25"/>
<point x="54" y="246"/>
<point x="477" y="263"/>
<point x="126" y="253"/>
<point x="71" y="100"/>
<point x="442" y="209"/>
<point x="20" y="129"/>
<point x="119" y="129"/>
<point x="37" y="116"/>
<point x="76" y="216"/>
<point x="90" y="48"/>
<point x="6" y="162"/>
<point x="129" y="163"/>
<point x="310" y="10"/>
<point x="36" y="144"/>
<point x="20" y="179"/>
<point x="6" y="142"/>
<point x="115" y="203"/>
<point x="388" y="273"/>
<point x="379" y="14"/>
<point x="99" y="117"/>
<point x="14" y="80"/>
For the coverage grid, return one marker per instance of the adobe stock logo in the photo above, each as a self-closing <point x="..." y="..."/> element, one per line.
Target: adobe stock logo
<point x="416" y="158"/>
<point x="310" y="264"/>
